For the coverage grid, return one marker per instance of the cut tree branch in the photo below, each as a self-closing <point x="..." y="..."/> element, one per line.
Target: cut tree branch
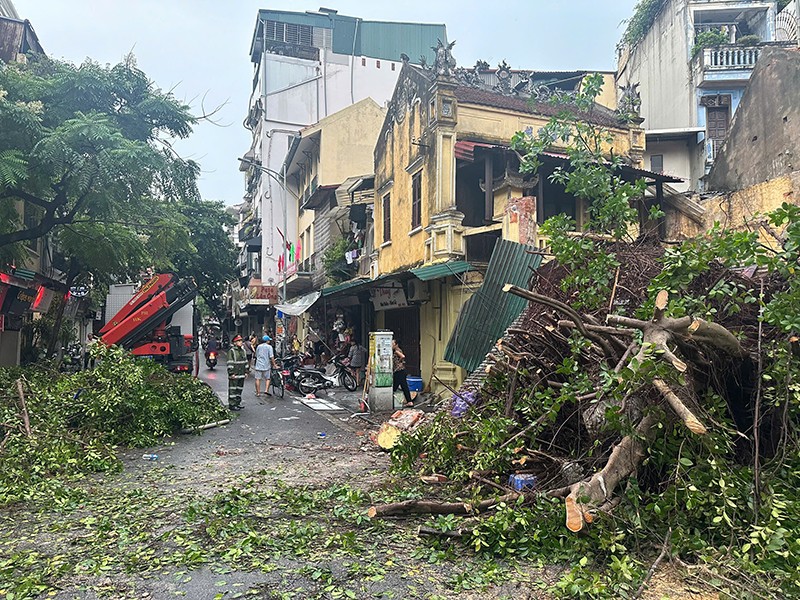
<point x="409" y="507"/>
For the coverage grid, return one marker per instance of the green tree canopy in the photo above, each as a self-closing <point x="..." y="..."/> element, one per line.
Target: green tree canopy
<point x="87" y="150"/>
<point x="87" y="143"/>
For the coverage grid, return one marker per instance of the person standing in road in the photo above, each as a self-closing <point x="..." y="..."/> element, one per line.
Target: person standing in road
<point x="400" y="376"/>
<point x="358" y="360"/>
<point x="265" y="362"/>
<point x="237" y="371"/>
<point x="87" y="355"/>
<point x="249" y="345"/>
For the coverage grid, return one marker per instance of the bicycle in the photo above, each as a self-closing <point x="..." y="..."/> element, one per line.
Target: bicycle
<point x="276" y="383"/>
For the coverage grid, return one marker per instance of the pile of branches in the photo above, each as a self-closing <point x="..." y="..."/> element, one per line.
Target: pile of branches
<point x="576" y="396"/>
<point x="56" y="427"/>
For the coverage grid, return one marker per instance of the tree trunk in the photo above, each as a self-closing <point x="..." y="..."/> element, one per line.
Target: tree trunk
<point x="624" y="460"/>
<point x="52" y="344"/>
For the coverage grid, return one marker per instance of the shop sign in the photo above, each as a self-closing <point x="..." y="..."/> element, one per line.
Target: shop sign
<point x="44" y="297"/>
<point x="18" y="300"/>
<point x="388" y="297"/>
<point x="263" y="294"/>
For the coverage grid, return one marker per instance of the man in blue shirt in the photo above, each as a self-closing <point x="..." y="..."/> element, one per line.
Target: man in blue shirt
<point x="265" y="361"/>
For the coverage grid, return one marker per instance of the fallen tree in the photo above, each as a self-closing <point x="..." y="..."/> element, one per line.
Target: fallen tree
<point x="653" y="393"/>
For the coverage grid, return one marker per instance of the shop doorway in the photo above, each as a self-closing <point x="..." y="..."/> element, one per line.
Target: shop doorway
<point x="404" y="323"/>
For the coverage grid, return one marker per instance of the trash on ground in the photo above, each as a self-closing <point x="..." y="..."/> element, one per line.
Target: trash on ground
<point x="405" y="420"/>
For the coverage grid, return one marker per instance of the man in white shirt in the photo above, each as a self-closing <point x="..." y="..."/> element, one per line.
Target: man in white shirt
<point x="265" y="361"/>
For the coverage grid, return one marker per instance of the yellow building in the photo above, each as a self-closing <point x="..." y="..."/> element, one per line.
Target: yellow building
<point x="438" y="222"/>
<point x="320" y="168"/>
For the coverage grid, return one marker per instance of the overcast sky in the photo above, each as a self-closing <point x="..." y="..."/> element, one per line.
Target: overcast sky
<point x="200" y="49"/>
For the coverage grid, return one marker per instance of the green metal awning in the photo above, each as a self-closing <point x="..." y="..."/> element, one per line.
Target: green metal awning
<point x="361" y="283"/>
<point x="439" y="270"/>
<point x="334" y="289"/>
<point x="487" y="314"/>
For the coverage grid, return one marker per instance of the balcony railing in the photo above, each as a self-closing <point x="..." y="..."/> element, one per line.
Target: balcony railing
<point x="722" y="58"/>
<point x="713" y="148"/>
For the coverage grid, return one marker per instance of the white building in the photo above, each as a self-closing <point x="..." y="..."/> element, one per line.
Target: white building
<point x="692" y="64"/>
<point x="308" y="65"/>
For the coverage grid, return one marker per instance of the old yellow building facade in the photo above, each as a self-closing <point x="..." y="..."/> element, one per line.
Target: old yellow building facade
<point x="437" y="219"/>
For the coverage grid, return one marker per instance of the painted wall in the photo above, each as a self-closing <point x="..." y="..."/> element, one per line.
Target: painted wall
<point x="396" y="162"/>
<point x="447" y="298"/>
<point x="764" y="138"/>
<point x="737" y="209"/>
<point x="677" y="159"/>
<point x="348" y="141"/>
<point x="659" y="63"/>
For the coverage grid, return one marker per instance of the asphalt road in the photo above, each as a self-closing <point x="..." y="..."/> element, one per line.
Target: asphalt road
<point x="277" y="420"/>
<point x="273" y="433"/>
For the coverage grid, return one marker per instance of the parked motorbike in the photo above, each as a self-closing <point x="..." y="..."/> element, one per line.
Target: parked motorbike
<point x="337" y="373"/>
<point x="211" y="360"/>
<point x="291" y="367"/>
<point x="71" y="358"/>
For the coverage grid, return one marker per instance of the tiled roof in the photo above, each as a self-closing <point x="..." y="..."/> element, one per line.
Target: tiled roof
<point x="470" y="95"/>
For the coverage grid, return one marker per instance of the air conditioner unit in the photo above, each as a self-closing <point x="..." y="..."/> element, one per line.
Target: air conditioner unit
<point x="417" y="291"/>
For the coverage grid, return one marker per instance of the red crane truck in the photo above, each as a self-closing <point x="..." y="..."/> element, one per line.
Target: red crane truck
<point x="143" y="324"/>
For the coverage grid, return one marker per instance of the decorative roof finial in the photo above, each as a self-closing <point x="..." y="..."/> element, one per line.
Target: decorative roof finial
<point x="444" y="63"/>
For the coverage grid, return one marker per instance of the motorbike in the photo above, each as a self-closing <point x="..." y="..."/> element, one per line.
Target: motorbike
<point x="291" y="367"/>
<point x="211" y="360"/>
<point x="337" y="373"/>
<point x="71" y="358"/>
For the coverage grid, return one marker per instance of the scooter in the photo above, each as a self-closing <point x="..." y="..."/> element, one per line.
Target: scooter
<point x="290" y="371"/>
<point x="71" y="359"/>
<point x="336" y="374"/>
<point x="211" y="360"/>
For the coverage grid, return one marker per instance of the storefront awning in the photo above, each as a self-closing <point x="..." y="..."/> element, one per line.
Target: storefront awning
<point x="352" y="283"/>
<point x="299" y="306"/>
<point x="359" y="284"/>
<point x="439" y="270"/>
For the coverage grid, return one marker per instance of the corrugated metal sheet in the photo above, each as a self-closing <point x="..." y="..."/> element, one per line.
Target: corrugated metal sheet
<point x="329" y="291"/>
<point x="388" y="40"/>
<point x="487" y="314"/>
<point x="375" y="39"/>
<point x="453" y="267"/>
<point x="465" y="150"/>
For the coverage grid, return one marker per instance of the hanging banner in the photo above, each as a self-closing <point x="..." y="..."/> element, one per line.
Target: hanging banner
<point x="388" y="296"/>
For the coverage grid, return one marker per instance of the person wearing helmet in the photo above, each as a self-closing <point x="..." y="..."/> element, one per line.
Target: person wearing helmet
<point x="265" y="362"/>
<point x="237" y="371"/>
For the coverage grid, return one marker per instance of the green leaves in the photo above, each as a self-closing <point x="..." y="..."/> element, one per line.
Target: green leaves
<point x="79" y="419"/>
<point x="88" y="142"/>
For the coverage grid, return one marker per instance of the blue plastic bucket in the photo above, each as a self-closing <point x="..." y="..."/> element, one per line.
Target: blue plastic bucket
<point x="414" y="383"/>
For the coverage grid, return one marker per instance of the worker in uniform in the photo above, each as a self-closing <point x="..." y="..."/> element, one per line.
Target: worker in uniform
<point x="238" y="367"/>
